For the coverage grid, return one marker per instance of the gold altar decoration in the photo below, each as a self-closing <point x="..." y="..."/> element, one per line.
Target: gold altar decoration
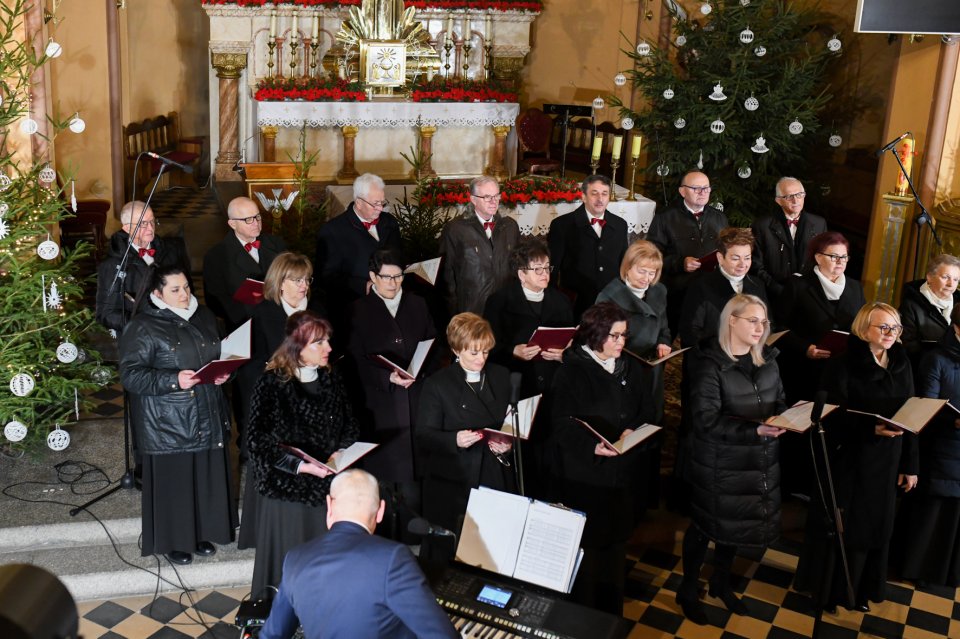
<point x="393" y="48"/>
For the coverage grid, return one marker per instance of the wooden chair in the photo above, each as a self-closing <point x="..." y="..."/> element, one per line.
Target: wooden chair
<point x="160" y="135"/>
<point x="534" y="130"/>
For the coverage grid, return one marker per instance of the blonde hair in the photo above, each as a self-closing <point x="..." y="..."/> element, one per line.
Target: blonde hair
<point x="736" y="306"/>
<point x="861" y="323"/>
<point x="469" y="329"/>
<point x="641" y="251"/>
<point x="287" y="264"/>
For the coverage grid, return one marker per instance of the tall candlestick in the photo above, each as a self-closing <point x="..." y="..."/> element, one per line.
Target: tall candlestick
<point x="273" y="24"/>
<point x="635" y="149"/>
<point x="293" y="27"/>
<point x="617" y="146"/>
<point x="316" y="26"/>
<point x="449" y="28"/>
<point x="597" y="146"/>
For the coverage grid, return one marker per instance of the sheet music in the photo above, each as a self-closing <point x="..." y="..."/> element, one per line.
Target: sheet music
<point x="236" y="344"/>
<point x="419" y="356"/>
<point x="549" y="547"/>
<point x="492" y="529"/>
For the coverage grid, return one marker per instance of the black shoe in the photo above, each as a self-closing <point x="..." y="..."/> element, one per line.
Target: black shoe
<point x="692" y="609"/>
<point x="206" y="549"/>
<point x="731" y="601"/>
<point x="179" y="557"/>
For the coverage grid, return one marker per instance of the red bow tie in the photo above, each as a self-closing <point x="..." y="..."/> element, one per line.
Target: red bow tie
<point x="252" y="245"/>
<point x="599" y="221"/>
<point x="144" y="251"/>
<point x="488" y="226"/>
<point x="367" y="225"/>
<point x="792" y="222"/>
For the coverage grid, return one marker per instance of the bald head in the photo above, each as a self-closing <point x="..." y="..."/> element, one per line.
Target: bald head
<point x="355" y="496"/>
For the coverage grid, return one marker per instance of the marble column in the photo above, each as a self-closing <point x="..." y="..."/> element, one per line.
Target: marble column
<point x="349" y="172"/>
<point x="229" y="66"/>
<point x="497" y="168"/>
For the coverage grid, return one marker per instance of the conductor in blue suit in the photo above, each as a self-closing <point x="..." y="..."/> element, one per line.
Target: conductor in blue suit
<point x="350" y="583"/>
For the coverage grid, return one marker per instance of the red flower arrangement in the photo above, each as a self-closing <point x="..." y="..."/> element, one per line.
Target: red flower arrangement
<point x="309" y="89"/>
<point x="534" y="6"/>
<point x="513" y="193"/>
<point x="442" y="90"/>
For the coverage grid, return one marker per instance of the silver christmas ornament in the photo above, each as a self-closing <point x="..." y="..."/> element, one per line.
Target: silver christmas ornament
<point x="48" y="249"/>
<point x="835" y="140"/>
<point x="53" y="50"/>
<point x="668" y="94"/>
<point x="718" y="95"/>
<point x="681" y="40"/>
<point x="15" y="431"/>
<point x="746" y="36"/>
<point x="679" y="123"/>
<point x="22" y="384"/>
<point x="643" y="48"/>
<point x="58" y="439"/>
<point x="760" y="146"/>
<point x="744" y="172"/>
<point x="760" y="51"/>
<point x="67" y="352"/>
<point x="834" y="45"/>
<point x="626" y="124"/>
<point x="795" y="127"/>
<point x="619" y="79"/>
<point x="717" y="126"/>
<point x="751" y="104"/>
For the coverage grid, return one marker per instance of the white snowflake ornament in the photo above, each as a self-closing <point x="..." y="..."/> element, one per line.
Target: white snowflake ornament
<point x="668" y="94"/>
<point x="15" y="431"/>
<point x="22" y="384"/>
<point x="751" y="104"/>
<point x="679" y="123"/>
<point x="717" y="126"/>
<point x="835" y="140"/>
<point x="795" y="127"/>
<point x="67" y="353"/>
<point x="746" y="36"/>
<point x="760" y="51"/>
<point x="58" y="439"/>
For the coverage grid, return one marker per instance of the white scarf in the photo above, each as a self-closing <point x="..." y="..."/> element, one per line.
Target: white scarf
<point x="639" y="292"/>
<point x="392" y="305"/>
<point x="608" y="364"/>
<point x="735" y="282"/>
<point x="183" y="313"/>
<point x="530" y="295"/>
<point x="833" y="290"/>
<point x="307" y="374"/>
<point x="945" y="306"/>
<point x="290" y="310"/>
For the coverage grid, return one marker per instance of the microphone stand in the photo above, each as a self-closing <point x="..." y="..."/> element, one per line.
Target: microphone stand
<point x="834" y="526"/>
<point x="127" y="480"/>
<point x="923" y="218"/>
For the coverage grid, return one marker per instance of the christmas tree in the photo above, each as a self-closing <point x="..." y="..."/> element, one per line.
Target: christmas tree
<point x="742" y="93"/>
<point x="43" y="322"/>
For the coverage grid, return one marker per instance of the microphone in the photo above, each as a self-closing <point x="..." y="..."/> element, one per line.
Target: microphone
<point x="515" y="379"/>
<point x="818" y="401"/>
<point x="169" y="162"/>
<point x="892" y="144"/>
<point x="420" y="526"/>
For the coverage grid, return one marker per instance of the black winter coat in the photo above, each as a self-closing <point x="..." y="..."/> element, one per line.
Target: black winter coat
<point x="778" y="255"/>
<point x="156" y="346"/>
<point x="923" y="323"/>
<point x="170" y="251"/>
<point x="705" y="300"/>
<point x="586" y="263"/>
<point x="940" y="441"/>
<point x="678" y="235"/>
<point x="284" y="412"/>
<point x="865" y="464"/>
<point x="607" y="489"/>
<point x="734" y="472"/>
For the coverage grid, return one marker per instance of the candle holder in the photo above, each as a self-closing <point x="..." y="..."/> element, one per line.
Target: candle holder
<point x="271" y="44"/>
<point x="466" y="56"/>
<point x="314" y="47"/>
<point x="614" y="163"/>
<point x="594" y="164"/>
<point x="293" y="57"/>
<point x="633" y="176"/>
<point x="447" y="47"/>
<point x="488" y="58"/>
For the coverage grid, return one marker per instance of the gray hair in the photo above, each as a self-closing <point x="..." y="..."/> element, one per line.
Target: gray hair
<point x="128" y="209"/>
<point x="736" y="306"/>
<point x="777" y="191"/>
<point x="363" y="184"/>
<point x="479" y="181"/>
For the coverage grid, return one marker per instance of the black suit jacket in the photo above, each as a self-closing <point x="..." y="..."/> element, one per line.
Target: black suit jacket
<point x="344" y="248"/>
<point x="778" y="255"/>
<point x="226" y="266"/>
<point x="704" y="301"/>
<point x="585" y="262"/>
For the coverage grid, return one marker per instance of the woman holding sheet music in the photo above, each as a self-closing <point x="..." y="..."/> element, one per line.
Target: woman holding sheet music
<point x="869" y="461"/>
<point x="392" y="322"/>
<point x="456" y="404"/>
<point x="598" y="386"/>
<point x="734" y="468"/>
<point x="299" y="401"/>
<point x="182" y="426"/>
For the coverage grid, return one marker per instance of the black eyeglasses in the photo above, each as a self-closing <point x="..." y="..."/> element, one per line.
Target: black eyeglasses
<point x="248" y="220"/>
<point x="836" y="259"/>
<point x="379" y="204"/>
<point x="755" y="320"/>
<point x="886" y="329"/>
<point x="392" y="278"/>
<point x="793" y="197"/>
<point x="539" y="270"/>
<point x="698" y="189"/>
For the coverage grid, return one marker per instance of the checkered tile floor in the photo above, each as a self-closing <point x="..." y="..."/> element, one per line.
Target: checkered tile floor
<point x="776" y="611"/>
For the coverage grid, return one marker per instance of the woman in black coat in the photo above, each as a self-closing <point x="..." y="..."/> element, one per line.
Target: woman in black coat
<point x="182" y="426"/>
<point x="928" y="524"/>
<point x="821" y="300"/>
<point x="926" y="306"/>
<point x="299" y="401"/>
<point x="638" y="292"/>
<point x="392" y="322"/>
<point x="595" y="384"/>
<point x="734" y="467"/>
<point x="869" y="462"/>
<point x="456" y="404"/>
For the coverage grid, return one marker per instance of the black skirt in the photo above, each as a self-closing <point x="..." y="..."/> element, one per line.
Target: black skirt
<point x="186" y="499"/>
<point x="281" y="526"/>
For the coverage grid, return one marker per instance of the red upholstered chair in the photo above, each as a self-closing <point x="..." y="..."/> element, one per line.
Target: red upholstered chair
<point x="534" y="128"/>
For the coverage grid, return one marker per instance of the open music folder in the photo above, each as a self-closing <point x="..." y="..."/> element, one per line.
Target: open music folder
<point x="518" y="537"/>
<point x="526" y="411"/>
<point x="234" y="353"/>
<point x="914" y="415"/>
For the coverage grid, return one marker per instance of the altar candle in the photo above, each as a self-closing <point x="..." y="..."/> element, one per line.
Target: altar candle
<point x="617" y="146"/>
<point x="293" y="28"/>
<point x="488" y="28"/>
<point x="316" y="26"/>
<point x="449" y="28"/>
<point x="597" y="146"/>
<point x="635" y="150"/>
<point x="273" y="24"/>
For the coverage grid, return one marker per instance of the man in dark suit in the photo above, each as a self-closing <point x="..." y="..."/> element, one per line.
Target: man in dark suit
<point x="243" y="253"/>
<point x="476" y="248"/>
<point x="782" y="237"/>
<point x="147" y="252"/>
<point x="588" y="245"/>
<point x="345" y="244"/>
<point x="352" y="584"/>
<point x="685" y="232"/>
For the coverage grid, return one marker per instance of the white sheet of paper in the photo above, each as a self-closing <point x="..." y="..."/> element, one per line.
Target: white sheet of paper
<point x="492" y="529"/>
<point x="237" y="343"/>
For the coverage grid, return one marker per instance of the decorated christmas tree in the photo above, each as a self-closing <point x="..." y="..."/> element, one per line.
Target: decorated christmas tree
<point x="743" y="93"/>
<point x="44" y="365"/>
